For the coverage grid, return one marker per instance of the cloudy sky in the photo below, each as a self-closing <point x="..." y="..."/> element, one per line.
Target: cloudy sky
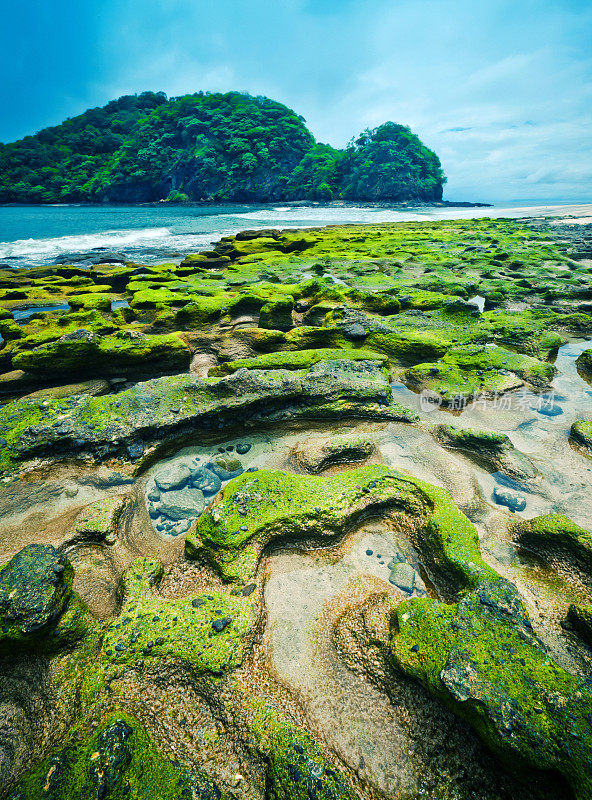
<point x="502" y="90"/>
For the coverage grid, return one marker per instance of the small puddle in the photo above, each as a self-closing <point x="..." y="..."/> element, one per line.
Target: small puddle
<point x="21" y="315"/>
<point x="478" y="301"/>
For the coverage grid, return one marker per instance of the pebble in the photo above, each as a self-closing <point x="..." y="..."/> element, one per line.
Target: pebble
<point x="514" y="502"/>
<point x="219" y="624"/>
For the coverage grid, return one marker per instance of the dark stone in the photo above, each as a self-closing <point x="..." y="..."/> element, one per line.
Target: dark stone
<point x="134" y="450"/>
<point x="197" y="787"/>
<point x="107" y="771"/>
<point x="219" y="624"/>
<point x="512" y="501"/>
<point x="354" y="332"/>
<point x="35" y="586"/>
<point x="206" y="480"/>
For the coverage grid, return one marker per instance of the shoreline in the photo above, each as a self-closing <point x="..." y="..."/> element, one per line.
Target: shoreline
<point x="405" y="204"/>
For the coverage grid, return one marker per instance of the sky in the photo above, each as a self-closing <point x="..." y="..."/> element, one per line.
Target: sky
<point x="501" y="90"/>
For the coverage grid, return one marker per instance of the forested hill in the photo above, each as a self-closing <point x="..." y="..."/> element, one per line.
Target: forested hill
<point x="204" y="146"/>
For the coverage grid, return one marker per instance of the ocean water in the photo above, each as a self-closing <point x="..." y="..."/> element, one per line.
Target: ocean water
<point x="37" y="235"/>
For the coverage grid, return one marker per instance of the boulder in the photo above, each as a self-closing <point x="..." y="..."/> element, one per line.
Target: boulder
<point x="558" y="541"/>
<point x="584" y="362"/>
<point x="35" y="586"/>
<point x="181" y="504"/>
<point x="489" y="449"/>
<point x="317" y="454"/>
<point x="83" y="352"/>
<point x="164" y="408"/>
<point x="581" y="433"/>
<point x="482" y="658"/>
<point x="172" y="476"/>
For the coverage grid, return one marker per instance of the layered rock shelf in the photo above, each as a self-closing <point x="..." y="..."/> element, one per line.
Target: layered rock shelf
<point x="303" y="516"/>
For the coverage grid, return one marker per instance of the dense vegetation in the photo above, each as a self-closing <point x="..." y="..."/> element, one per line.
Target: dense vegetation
<point x="210" y="146"/>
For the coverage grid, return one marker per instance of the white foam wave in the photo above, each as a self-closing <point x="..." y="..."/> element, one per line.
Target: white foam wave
<point x="114" y="239"/>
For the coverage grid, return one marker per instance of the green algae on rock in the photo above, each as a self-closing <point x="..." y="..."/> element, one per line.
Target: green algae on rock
<point x="493" y="450"/>
<point x="581" y="433"/>
<point x="294" y="327"/>
<point x="84" y="352"/>
<point x="473" y="370"/>
<point x="584" y="361"/>
<point x="482" y="659"/>
<point x="126" y="424"/>
<point x="298" y="769"/>
<point x="297" y="359"/>
<point x="558" y="540"/>
<point x="259" y="508"/>
<point x="116" y="761"/>
<point x="206" y="631"/>
<point x="37" y="606"/>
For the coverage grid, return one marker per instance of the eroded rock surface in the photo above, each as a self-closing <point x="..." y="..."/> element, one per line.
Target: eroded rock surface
<point x="260" y="617"/>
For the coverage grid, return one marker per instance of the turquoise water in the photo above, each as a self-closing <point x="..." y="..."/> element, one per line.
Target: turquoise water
<point x="37" y="235"/>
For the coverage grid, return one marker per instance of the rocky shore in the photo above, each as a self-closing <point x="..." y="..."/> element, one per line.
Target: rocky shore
<point x="303" y="516"/>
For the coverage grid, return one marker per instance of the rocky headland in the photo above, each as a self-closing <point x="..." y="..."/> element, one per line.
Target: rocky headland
<point x="306" y="515"/>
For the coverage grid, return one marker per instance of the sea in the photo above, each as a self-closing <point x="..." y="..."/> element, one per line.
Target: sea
<point x="44" y="235"/>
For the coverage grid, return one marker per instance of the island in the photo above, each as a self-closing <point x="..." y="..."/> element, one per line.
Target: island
<point x="212" y="147"/>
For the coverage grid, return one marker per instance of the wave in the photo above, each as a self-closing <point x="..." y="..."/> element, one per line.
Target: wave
<point x="113" y="239"/>
<point x="300" y="215"/>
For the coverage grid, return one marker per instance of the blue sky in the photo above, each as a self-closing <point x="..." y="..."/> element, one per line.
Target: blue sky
<point x="502" y="90"/>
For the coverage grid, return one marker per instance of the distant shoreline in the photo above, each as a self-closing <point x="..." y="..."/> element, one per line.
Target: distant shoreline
<point x="407" y="204"/>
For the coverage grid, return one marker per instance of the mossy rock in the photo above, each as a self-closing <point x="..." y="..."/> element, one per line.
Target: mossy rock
<point x="83" y="351"/>
<point x="584" y="362"/>
<point x="94" y="300"/>
<point x="257" y="508"/>
<point x="296" y="359"/>
<point x="483" y="660"/>
<point x="277" y="314"/>
<point x="408" y="347"/>
<point x="204" y="309"/>
<point x="489" y="449"/>
<point x="38" y="609"/>
<point x="207" y="631"/>
<point x="117" y="761"/>
<point x="468" y="371"/>
<point x="581" y="433"/>
<point x="125" y="424"/>
<point x="297" y="768"/>
<point x="559" y="541"/>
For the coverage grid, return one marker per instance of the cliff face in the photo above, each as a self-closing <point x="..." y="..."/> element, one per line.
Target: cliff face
<point x="225" y="147"/>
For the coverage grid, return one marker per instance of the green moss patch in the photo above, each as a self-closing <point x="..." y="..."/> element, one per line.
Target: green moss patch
<point x="482" y="659"/>
<point x="117" y="761"/>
